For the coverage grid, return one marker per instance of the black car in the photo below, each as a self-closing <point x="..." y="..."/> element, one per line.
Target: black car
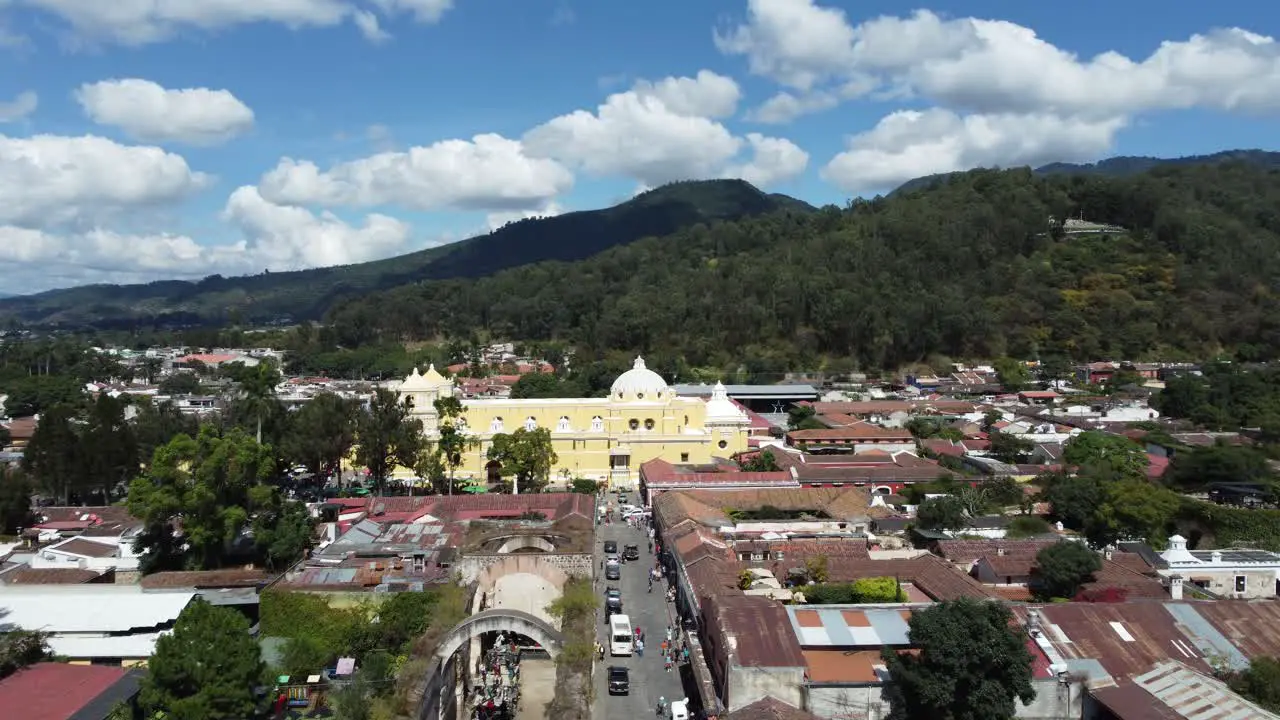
<point x="612" y="571"/>
<point x="610" y="547"/>
<point x="612" y="602"/>
<point x="631" y="552"/>
<point x="619" y="680"/>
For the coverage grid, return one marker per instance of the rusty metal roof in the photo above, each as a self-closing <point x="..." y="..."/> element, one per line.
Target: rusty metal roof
<point x="1194" y="695"/>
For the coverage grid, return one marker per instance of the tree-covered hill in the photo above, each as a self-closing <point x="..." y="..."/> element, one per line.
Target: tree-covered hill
<point x="1121" y="166"/>
<point x="308" y="294"/>
<point x="969" y="268"/>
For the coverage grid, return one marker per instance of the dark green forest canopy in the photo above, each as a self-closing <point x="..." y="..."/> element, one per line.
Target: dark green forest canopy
<point x="307" y="294"/>
<point x="969" y="268"/>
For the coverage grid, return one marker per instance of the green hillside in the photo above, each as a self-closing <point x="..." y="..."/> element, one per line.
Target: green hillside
<point x="970" y="268"/>
<point x="1120" y="166"/>
<point x="307" y="294"/>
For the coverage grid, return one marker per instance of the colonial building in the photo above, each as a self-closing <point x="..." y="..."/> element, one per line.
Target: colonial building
<point x="605" y="438"/>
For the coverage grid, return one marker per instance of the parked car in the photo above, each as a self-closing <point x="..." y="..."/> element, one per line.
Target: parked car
<point x="612" y="602"/>
<point x="619" y="680"/>
<point x="612" y="570"/>
<point x="631" y="552"/>
<point x="610" y="547"/>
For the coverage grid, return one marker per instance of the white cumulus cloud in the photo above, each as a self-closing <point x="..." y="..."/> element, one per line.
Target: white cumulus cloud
<point x="773" y="160"/>
<point x="151" y="113"/>
<point x="20" y="107"/>
<point x="49" y="179"/>
<point x="140" y="22"/>
<point x="910" y="144"/>
<point x="659" y="132"/>
<point x="991" y="66"/>
<point x="484" y="173"/>
<point x="283" y="237"/>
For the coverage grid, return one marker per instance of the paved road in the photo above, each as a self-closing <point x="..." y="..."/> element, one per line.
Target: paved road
<point x="649" y="611"/>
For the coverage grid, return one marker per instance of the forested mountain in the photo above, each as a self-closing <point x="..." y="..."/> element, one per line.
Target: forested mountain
<point x="307" y="294"/>
<point x="969" y="268"/>
<point x="1121" y="166"/>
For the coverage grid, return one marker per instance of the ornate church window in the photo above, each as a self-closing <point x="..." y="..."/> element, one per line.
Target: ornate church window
<point x="634" y="424"/>
<point x="563" y="424"/>
<point x="495" y="425"/>
<point x="530" y="423"/>
<point x="648" y="424"/>
<point x="597" y="424"/>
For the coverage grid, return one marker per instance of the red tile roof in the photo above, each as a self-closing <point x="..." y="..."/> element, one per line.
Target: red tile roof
<point x="659" y="473"/>
<point x="53" y="691"/>
<point x="857" y="431"/>
<point x="51" y="576"/>
<point x="87" y="548"/>
<point x="1156" y="466"/>
<point x="938" y="446"/>
<point x="769" y="708"/>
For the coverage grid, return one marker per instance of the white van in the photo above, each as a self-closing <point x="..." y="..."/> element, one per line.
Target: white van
<point x="621" y="641"/>
<point x="680" y="709"/>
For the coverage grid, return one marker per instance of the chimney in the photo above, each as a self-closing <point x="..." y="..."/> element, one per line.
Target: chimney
<point x="1107" y="553"/>
<point x="1175" y="587"/>
<point x="1000" y="552"/>
<point x="1215" y="557"/>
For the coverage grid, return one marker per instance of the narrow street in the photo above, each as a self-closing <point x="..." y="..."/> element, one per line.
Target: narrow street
<point x="648" y="611"/>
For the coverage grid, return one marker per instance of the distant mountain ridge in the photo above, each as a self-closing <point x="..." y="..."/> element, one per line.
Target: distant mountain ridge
<point x="307" y="294"/>
<point x="1119" y="166"/>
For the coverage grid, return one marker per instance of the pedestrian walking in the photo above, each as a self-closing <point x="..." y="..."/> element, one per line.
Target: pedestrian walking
<point x="639" y="648"/>
<point x="666" y="663"/>
<point x="670" y="634"/>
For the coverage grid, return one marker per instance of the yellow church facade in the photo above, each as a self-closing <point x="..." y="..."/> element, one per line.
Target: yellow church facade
<point x="604" y="439"/>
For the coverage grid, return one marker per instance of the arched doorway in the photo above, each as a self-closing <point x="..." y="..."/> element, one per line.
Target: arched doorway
<point x="493" y="472"/>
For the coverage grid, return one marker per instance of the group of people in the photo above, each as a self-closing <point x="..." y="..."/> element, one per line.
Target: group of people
<point x="496" y="693"/>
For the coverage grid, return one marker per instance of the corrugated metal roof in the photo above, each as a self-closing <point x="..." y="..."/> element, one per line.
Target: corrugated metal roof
<point x="1196" y="696"/>
<point x="848" y="626"/>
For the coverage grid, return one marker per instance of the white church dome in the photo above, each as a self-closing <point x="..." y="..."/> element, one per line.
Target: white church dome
<point x="639" y="383"/>
<point x="721" y="409"/>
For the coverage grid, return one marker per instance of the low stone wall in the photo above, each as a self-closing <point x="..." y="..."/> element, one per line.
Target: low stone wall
<point x="551" y="566"/>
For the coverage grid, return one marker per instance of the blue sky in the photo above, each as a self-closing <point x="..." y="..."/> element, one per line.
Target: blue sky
<point x="145" y="140"/>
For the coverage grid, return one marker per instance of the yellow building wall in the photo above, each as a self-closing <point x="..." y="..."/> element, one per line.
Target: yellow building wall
<point x="635" y="432"/>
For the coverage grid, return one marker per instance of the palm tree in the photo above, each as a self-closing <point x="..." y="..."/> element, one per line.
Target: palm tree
<point x="258" y="392"/>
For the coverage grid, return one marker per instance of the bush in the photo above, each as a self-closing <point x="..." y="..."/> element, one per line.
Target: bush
<point x="1025" y="526"/>
<point x="861" y="591"/>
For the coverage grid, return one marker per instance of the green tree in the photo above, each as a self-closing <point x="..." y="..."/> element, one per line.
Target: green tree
<point x="454" y="442"/>
<point x="990" y="418"/>
<point x="1260" y="682"/>
<point x="54" y="457"/>
<point x="761" y="462"/>
<point x="158" y="423"/>
<point x="1002" y="491"/>
<point x="543" y="385"/>
<point x="1012" y="374"/>
<point x="972" y="664"/>
<point x="20" y="648"/>
<point x="321" y="433"/>
<point x="1010" y="448"/>
<point x="1200" y="467"/>
<point x="1074" y="499"/>
<point x="585" y="486"/>
<point x="1115" y="454"/>
<point x="816" y="568"/>
<point x="257" y="394"/>
<point x="206" y="488"/>
<point x="283" y="531"/>
<point x="206" y="669"/>
<point x="526" y="454"/>
<point x="1133" y="509"/>
<point x="35" y="395"/>
<point x="799" y="417"/>
<point x="15" y="501"/>
<point x="386" y="436"/>
<point x="941" y="513"/>
<point x="179" y="383"/>
<point x="1062" y="568"/>
<point x="108" y="446"/>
